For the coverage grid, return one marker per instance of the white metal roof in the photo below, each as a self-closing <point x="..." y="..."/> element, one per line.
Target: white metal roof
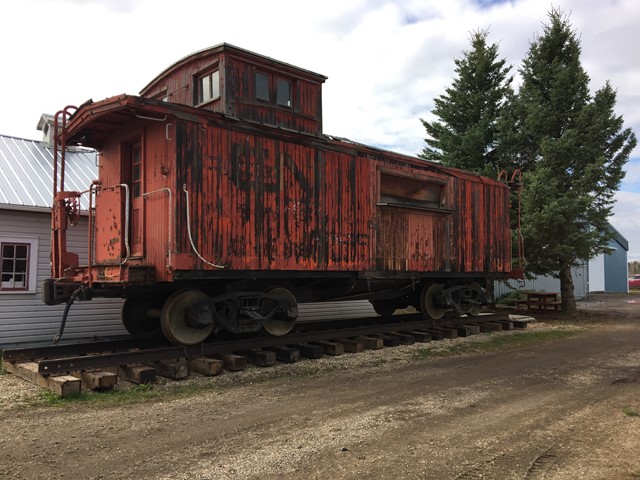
<point x="26" y="173"/>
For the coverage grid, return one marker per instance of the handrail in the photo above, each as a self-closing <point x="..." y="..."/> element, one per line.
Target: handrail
<point x="193" y="246"/>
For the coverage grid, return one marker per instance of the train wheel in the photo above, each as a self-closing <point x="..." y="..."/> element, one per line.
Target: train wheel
<point x="475" y="310"/>
<point x="428" y="303"/>
<point x="174" y="323"/>
<point x="279" y="324"/>
<point x="384" y="308"/>
<point x="141" y="317"/>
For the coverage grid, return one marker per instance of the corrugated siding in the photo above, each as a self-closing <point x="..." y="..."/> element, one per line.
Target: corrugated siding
<point x="615" y="269"/>
<point x="24" y="317"/>
<point x="545" y="284"/>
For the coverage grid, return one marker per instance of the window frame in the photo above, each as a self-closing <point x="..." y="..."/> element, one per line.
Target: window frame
<point x="423" y="179"/>
<point x="31" y="267"/>
<point x="289" y="84"/>
<point x="209" y="73"/>
<point x="257" y="92"/>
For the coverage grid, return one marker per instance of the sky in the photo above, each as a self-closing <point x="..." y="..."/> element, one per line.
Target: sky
<point x="386" y="59"/>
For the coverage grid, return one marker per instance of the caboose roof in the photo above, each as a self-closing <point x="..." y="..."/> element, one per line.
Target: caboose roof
<point x="252" y="57"/>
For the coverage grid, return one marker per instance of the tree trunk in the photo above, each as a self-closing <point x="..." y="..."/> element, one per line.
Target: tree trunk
<point x="566" y="291"/>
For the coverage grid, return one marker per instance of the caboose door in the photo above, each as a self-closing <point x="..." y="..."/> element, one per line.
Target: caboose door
<point x="136" y="207"/>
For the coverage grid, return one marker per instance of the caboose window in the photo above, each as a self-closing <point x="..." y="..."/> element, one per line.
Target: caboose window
<point x="411" y="192"/>
<point x="15" y="266"/>
<point x="284" y="92"/>
<point x="208" y="87"/>
<point x="262" y="86"/>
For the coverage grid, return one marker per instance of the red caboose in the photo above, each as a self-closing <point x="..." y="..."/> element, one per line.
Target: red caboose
<point x="220" y="203"/>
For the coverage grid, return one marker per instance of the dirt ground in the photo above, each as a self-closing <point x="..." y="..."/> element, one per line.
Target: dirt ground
<point x="566" y="408"/>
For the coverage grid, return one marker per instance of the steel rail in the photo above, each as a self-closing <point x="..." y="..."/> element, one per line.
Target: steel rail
<point x="64" y="350"/>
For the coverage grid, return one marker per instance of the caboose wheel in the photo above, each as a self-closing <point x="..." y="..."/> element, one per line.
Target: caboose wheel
<point x="279" y="324"/>
<point x="384" y="308"/>
<point x="475" y="310"/>
<point x="428" y="303"/>
<point x="141" y="317"/>
<point x="173" y="320"/>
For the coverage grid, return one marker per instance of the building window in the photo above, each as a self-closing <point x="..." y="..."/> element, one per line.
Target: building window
<point x="208" y="87"/>
<point x="284" y="92"/>
<point x="18" y="265"/>
<point x="262" y="86"/>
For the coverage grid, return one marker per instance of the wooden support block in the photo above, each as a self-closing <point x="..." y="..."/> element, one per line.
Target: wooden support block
<point x="309" y="351"/>
<point x="499" y="326"/>
<point x="98" y="380"/>
<point x="287" y="354"/>
<point x="232" y="362"/>
<point x="63" y="385"/>
<point x="390" y="340"/>
<point x="420" y="336"/>
<point x="449" y="332"/>
<point x="519" y="325"/>
<point x="137" y="373"/>
<point x="484" y="328"/>
<point x="350" y="346"/>
<point x="206" y="366"/>
<point x="405" y="338"/>
<point x="371" y="343"/>
<point x="469" y="329"/>
<point x="330" y="348"/>
<point x="261" y="358"/>
<point x="175" y="369"/>
<point x="435" y="334"/>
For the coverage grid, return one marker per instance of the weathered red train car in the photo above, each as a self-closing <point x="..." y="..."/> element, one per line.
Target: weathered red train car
<point x="220" y="203"/>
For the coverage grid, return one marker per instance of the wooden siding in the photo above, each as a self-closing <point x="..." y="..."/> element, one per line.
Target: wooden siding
<point x="24" y="317"/>
<point x="262" y="203"/>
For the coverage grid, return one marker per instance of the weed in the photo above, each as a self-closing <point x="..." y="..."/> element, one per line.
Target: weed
<point x="631" y="412"/>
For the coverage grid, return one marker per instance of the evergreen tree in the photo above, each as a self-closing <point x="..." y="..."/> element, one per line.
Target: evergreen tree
<point x="464" y="135"/>
<point x="572" y="148"/>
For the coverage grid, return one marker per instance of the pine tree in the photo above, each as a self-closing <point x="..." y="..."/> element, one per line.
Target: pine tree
<point x="464" y="135"/>
<point x="572" y="148"/>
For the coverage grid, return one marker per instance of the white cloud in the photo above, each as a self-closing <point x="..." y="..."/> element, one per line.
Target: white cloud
<point x="386" y="59"/>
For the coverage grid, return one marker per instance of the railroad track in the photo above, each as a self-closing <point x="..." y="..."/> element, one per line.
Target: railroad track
<point x="62" y="368"/>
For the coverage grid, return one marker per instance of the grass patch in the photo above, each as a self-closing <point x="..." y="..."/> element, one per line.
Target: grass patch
<point x="495" y="343"/>
<point x="138" y="393"/>
<point x="631" y="412"/>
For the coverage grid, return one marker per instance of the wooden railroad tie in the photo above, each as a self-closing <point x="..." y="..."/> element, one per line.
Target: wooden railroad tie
<point x="206" y="366"/>
<point x="62" y="385"/>
<point x="260" y="357"/>
<point x="137" y="373"/>
<point x="232" y="362"/>
<point x="371" y="343"/>
<point x="330" y="348"/>
<point x="98" y="380"/>
<point x="286" y="354"/>
<point x="350" y="346"/>
<point x="175" y="369"/>
<point x="308" y="350"/>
